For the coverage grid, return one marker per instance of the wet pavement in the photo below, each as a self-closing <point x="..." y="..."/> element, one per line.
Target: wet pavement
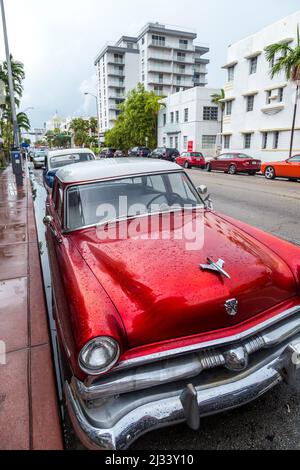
<point x="27" y="387"/>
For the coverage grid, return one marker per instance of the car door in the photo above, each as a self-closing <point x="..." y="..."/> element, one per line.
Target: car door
<point x="220" y="162"/>
<point x="58" y="260"/>
<point x="290" y="168"/>
<point x="181" y="159"/>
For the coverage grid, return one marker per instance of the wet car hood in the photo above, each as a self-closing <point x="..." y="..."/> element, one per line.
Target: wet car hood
<point x="161" y="292"/>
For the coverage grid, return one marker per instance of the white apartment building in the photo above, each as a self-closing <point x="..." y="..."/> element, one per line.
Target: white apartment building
<point x="259" y="110"/>
<point x="117" y="74"/>
<point x="164" y="59"/>
<point x="190" y="121"/>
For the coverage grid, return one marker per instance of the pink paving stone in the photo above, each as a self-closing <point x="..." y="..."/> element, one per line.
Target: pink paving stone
<point x="13" y="233"/>
<point x="13" y="261"/>
<point x="14" y="405"/>
<point x="46" y="431"/>
<point x="13" y="313"/>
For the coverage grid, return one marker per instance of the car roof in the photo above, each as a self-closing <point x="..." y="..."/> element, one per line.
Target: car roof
<point x="113" y="168"/>
<point x="57" y="153"/>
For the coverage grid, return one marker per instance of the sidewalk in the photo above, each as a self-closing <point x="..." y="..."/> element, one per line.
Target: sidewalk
<point x="29" y="416"/>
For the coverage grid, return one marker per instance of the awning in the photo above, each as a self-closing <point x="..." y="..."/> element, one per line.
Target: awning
<point x="253" y="55"/>
<point x="230" y="64"/>
<point x="251" y="93"/>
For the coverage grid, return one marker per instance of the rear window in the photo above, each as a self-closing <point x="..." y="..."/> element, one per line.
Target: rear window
<point x="244" y="156"/>
<point x="196" y="154"/>
<point x="69" y="159"/>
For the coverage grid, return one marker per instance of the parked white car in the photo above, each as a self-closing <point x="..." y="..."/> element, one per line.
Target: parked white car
<point x="56" y="159"/>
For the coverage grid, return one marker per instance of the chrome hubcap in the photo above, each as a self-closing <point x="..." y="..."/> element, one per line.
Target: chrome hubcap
<point x="269" y="173"/>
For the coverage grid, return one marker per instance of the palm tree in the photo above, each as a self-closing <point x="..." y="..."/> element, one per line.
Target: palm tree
<point x="218" y="100"/>
<point x="284" y="58"/>
<point x="23" y="121"/>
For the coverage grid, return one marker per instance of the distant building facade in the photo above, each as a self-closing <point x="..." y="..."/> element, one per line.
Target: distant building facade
<point x="164" y="59"/>
<point x="259" y="110"/>
<point x="190" y="121"/>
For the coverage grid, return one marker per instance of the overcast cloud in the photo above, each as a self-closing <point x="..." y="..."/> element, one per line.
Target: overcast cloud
<point x="58" y="40"/>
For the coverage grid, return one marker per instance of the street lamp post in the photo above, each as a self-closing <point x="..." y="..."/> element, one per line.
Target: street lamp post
<point x="97" y="105"/>
<point x="10" y="80"/>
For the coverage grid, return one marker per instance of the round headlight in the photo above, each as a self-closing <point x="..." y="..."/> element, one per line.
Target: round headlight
<point x="99" y="355"/>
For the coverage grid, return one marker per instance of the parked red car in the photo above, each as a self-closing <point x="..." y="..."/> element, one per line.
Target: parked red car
<point x="191" y="159"/>
<point x="153" y="332"/>
<point x="233" y="163"/>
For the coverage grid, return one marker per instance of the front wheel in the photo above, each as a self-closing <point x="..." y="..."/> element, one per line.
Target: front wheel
<point x="208" y="167"/>
<point x="232" y="170"/>
<point x="270" y="173"/>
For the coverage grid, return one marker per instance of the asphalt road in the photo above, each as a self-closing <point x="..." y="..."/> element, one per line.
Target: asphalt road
<point x="272" y="421"/>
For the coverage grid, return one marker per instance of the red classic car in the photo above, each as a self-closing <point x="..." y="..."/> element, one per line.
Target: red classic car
<point x="153" y="332"/>
<point x="233" y="163"/>
<point x="191" y="159"/>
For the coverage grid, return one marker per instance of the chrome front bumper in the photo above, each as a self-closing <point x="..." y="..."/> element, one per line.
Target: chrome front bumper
<point x="115" y="422"/>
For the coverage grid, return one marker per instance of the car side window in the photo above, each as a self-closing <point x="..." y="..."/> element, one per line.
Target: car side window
<point x="295" y="159"/>
<point x="58" y="203"/>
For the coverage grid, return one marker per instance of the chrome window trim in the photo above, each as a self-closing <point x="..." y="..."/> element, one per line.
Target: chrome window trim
<point x="137" y="175"/>
<point x="139" y="361"/>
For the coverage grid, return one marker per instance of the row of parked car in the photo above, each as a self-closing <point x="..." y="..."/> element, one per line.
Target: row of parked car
<point x="232" y="163"/>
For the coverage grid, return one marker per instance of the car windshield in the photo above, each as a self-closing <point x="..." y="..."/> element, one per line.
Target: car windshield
<point x="243" y="155"/>
<point x="106" y="201"/>
<point x="68" y="159"/>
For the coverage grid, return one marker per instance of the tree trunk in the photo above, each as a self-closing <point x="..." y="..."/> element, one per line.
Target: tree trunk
<point x="294" y="123"/>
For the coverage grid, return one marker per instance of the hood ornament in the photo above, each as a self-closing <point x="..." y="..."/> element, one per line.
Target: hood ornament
<point x="216" y="267"/>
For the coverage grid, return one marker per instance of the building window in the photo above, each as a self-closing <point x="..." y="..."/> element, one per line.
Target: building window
<point x="209" y="141"/>
<point x="172" y="117"/>
<point x="177" y="117"/>
<point x="210" y="113"/>
<point x="158" y="90"/>
<point x="143" y="41"/>
<point x="228" y="108"/>
<point x="176" y="142"/>
<point x="158" y="40"/>
<point x="269" y="96"/>
<point x="250" y="103"/>
<point x="280" y="95"/>
<point x="247" y="141"/>
<point x="275" y="140"/>
<point x="186" y="115"/>
<point x="227" y="141"/>
<point x="253" y="65"/>
<point x="183" y="43"/>
<point x="160" y="77"/>
<point x="164" y="119"/>
<point x="178" y="79"/>
<point x="181" y="68"/>
<point x="265" y="140"/>
<point x="185" y="141"/>
<point x="171" y="142"/>
<point x="164" y="141"/>
<point x="177" y="89"/>
<point x="143" y="77"/>
<point x="230" y="74"/>
<point x="181" y="56"/>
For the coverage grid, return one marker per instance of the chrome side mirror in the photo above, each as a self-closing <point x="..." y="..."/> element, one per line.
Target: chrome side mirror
<point x="202" y="190"/>
<point x="47" y="220"/>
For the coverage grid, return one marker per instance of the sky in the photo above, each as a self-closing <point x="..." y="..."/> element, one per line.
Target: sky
<point x="58" y="40"/>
